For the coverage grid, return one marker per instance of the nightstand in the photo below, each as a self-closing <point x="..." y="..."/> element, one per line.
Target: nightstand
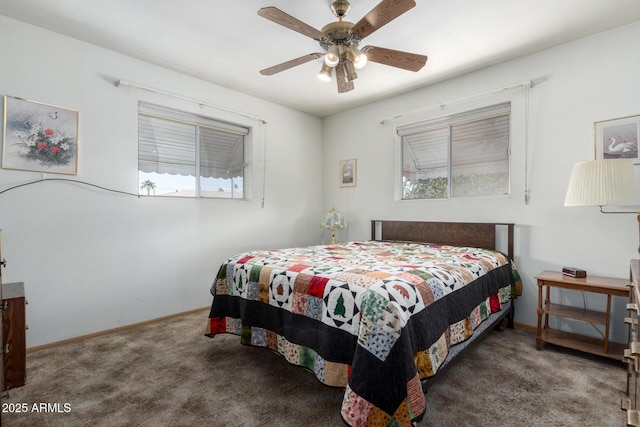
<point x="595" y="284"/>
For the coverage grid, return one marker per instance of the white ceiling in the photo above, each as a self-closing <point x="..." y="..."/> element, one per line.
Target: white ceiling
<point x="227" y="43"/>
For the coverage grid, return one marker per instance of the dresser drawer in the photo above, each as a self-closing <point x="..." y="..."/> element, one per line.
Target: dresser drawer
<point x="631" y="403"/>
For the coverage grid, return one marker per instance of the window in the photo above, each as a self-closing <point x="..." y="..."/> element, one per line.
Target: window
<point x="186" y="155"/>
<point x="463" y="155"/>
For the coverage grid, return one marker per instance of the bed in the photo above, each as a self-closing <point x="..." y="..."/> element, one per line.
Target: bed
<point x="380" y="317"/>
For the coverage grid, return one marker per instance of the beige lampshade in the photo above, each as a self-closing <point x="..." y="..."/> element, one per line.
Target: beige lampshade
<point x="600" y="183"/>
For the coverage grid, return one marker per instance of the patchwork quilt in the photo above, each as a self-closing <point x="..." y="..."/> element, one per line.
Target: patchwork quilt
<point x="372" y="317"/>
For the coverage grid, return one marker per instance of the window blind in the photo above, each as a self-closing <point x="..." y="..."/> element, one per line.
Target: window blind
<point x="468" y="116"/>
<point x="469" y="150"/>
<point x="168" y="141"/>
<point x="477" y="136"/>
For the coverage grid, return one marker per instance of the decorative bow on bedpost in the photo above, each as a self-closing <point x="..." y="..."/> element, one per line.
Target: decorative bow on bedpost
<point x="333" y="220"/>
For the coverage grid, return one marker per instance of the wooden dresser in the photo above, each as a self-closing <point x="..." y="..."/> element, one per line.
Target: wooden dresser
<point x="14" y="335"/>
<point x="632" y="354"/>
<point x="2" y="264"/>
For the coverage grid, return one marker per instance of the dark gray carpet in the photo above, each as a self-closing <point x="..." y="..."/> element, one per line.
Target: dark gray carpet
<point x="170" y="374"/>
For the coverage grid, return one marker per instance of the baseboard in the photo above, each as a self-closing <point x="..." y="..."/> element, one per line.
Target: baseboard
<point x="111" y="331"/>
<point x="525" y="326"/>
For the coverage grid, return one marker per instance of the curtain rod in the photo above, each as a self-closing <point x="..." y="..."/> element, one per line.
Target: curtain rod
<point x="442" y="105"/>
<point x="125" y="83"/>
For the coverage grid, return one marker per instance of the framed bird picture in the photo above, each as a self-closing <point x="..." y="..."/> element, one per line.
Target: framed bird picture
<point x="617" y="138"/>
<point x="39" y="137"/>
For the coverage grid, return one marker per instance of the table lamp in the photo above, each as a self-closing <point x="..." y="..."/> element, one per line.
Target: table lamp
<point x="333" y="220"/>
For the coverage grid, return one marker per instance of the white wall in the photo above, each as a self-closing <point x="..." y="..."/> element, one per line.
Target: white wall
<point x="576" y="84"/>
<point x="93" y="260"/>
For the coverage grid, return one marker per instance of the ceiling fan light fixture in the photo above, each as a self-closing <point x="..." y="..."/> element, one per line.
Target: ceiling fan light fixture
<point x="325" y="73"/>
<point x="332" y="57"/>
<point x="358" y="58"/>
<point x="350" y="70"/>
<point x="340" y="40"/>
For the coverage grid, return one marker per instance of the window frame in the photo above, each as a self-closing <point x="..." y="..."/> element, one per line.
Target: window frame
<point x="448" y="122"/>
<point x="199" y="122"/>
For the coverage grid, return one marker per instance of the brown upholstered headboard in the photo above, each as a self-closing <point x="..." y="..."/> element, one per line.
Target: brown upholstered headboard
<point x="474" y="234"/>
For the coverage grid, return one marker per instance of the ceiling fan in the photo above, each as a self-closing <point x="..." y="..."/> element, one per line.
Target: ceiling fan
<point x="340" y="41"/>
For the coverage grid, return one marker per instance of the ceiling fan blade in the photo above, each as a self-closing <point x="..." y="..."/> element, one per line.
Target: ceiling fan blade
<point x="344" y="85"/>
<point x="395" y="58"/>
<point x="385" y="12"/>
<point x="290" y="64"/>
<point x="279" y="17"/>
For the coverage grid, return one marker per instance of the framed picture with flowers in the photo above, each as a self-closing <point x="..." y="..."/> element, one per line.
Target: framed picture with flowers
<point x="39" y="137"/>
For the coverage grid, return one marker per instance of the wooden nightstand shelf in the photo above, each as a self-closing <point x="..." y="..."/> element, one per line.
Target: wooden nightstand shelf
<point x="595" y="284"/>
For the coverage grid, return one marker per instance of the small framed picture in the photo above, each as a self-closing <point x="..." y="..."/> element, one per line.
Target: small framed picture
<point x="39" y="137"/>
<point x="348" y="170"/>
<point x="618" y="138"/>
